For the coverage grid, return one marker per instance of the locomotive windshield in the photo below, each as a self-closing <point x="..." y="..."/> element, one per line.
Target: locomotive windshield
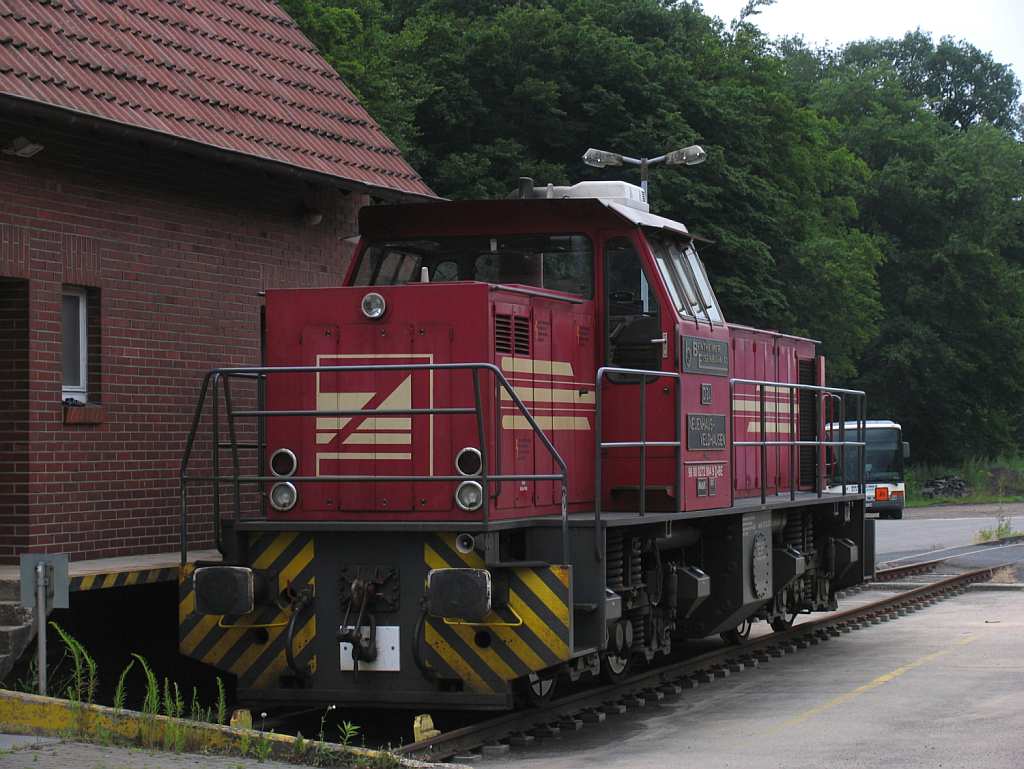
<point x="554" y="262"/>
<point x="684" y="276"/>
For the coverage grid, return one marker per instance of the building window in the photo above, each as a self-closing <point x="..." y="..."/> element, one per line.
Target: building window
<point x="75" y="344"/>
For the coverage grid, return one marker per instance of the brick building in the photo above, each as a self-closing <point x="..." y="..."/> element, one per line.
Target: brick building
<point x="162" y="163"/>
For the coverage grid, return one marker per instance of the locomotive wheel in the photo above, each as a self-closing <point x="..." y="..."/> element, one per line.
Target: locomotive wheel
<point x="614" y="667"/>
<point x="538" y="689"/>
<point x="738" y="634"/>
<point x="780" y="624"/>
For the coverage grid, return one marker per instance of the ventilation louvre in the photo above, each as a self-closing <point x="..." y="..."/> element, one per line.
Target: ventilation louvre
<point x="522" y="338"/>
<point x="503" y="333"/>
<point x="808" y="427"/>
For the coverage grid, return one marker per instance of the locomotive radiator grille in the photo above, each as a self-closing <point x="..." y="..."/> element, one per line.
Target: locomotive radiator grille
<point x="228" y="643"/>
<point x="531" y="633"/>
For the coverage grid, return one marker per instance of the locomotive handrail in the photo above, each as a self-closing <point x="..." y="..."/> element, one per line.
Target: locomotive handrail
<point x="643" y="444"/>
<point x="822" y="392"/>
<point x="211" y="386"/>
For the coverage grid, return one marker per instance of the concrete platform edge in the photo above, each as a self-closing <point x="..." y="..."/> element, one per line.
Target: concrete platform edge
<point x="31" y="714"/>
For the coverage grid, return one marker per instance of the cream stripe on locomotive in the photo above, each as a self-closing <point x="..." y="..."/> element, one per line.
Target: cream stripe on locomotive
<point x="228" y="643"/>
<point x="532" y="633"/>
<point x="541" y="396"/>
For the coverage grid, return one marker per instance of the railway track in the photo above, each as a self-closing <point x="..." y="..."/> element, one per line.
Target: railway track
<point x="595" y="704"/>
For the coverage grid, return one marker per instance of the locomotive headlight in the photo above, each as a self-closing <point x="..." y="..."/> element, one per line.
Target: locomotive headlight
<point x="468" y="461"/>
<point x="469" y="495"/>
<point x="374" y="306"/>
<point x="283" y="463"/>
<point x="283" y="496"/>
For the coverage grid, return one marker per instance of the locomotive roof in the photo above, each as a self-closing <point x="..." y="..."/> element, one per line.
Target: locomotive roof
<point x="473" y="216"/>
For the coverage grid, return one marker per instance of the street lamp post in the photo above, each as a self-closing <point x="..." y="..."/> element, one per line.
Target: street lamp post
<point x="687" y="156"/>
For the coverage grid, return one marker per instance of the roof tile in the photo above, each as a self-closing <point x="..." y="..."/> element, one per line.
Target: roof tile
<point x="234" y="74"/>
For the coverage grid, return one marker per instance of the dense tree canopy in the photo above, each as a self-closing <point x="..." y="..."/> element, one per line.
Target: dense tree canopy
<point x="870" y="197"/>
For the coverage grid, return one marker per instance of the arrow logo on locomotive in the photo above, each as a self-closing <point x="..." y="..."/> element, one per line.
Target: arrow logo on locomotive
<point x="369" y="438"/>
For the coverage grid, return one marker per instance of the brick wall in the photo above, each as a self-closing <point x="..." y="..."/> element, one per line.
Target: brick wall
<point x="13" y="413"/>
<point x="174" y="252"/>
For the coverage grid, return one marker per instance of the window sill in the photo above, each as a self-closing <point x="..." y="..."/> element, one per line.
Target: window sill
<point x="87" y="414"/>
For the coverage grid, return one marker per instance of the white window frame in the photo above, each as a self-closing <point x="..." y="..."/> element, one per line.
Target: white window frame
<point x="78" y="392"/>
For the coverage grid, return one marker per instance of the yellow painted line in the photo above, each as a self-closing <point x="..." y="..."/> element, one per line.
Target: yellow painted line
<point x="543" y="592"/>
<point x="540" y="628"/>
<point x="186" y="606"/>
<point x="300" y="642"/>
<point x="561" y="573"/>
<point x="487" y="656"/>
<point x="301" y="560"/>
<point x="133" y="577"/>
<point x="109" y="580"/>
<point x="519" y="647"/>
<point x="873" y="684"/>
<point x="472" y="559"/>
<point x="268" y="556"/>
<point x="87" y="582"/>
<point x="198" y="633"/>
<point x="462" y="668"/>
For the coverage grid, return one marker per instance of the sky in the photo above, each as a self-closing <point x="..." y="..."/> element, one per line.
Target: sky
<point x="996" y="26"/>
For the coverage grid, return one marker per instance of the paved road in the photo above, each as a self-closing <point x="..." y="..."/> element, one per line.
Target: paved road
<point x="895" y="539"/>
<point x="940" y="688"/>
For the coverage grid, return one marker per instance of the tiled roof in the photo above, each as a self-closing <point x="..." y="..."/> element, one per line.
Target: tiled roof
<point x="233" y="74"/>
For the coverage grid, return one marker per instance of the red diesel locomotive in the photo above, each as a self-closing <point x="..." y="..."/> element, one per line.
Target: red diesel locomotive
<point x="521" y="442"/>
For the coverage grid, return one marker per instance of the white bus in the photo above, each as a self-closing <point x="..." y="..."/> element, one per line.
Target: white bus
<point x="884" y="457"/>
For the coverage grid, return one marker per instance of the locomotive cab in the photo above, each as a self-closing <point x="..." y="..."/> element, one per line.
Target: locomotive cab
<point x="520" y="441"/>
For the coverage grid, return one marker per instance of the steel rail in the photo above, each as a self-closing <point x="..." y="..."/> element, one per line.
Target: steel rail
<point x="670" y="679"/>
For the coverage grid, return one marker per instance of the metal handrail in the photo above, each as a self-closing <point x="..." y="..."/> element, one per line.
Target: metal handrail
<point x="212" y="384"/>
<point x="820" y="443"/>
<point x="643" y="444"/>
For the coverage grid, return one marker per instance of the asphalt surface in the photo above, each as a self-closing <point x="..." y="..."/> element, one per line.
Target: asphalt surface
<point x="939" y="688"/>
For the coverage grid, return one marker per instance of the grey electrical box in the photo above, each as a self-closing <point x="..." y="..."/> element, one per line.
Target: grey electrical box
<point x="56" y="580"/>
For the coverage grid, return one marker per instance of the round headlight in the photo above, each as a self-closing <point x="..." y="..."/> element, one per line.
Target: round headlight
<point x="374" y="306"/>
<point x="283" y="496"/>
<point x="469" y="495"/>
<point x="283" y="463"/>
<point x="469" y="462"/>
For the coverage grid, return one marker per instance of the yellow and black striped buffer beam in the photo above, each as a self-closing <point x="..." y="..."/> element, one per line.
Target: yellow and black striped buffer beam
<point x="253" y="646"/>
<point x="123" y="578"/>
<point x="532" y="633"/>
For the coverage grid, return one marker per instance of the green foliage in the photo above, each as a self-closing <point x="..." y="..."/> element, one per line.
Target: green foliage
<point x="1003" y="530"/>
<point x="120" y="690"/>
<point x="869" y="197"/>
<point x="85" y="675"/>
<point x="347" y="732"/>
<point x="151" y="701"/>
<point x="222" y="704"/>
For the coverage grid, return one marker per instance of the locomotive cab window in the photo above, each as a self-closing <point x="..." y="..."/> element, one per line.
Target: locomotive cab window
<point x="632" y="309"/>
<point x="684" y="276"/>
<point x="562" y="263"/>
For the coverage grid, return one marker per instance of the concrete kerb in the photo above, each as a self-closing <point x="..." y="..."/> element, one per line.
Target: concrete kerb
<point x="22" y="713"/>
